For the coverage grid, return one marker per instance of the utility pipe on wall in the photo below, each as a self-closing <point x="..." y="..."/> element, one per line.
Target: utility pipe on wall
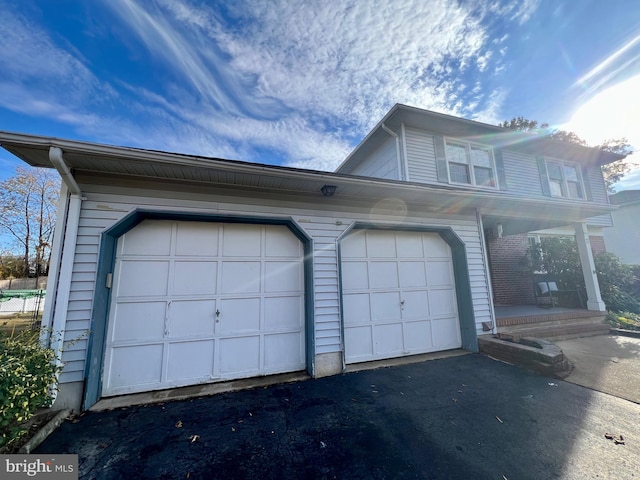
<point x="65" y="246"/>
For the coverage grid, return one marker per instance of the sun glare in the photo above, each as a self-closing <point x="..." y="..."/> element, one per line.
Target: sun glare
<point x="613" y="113"/>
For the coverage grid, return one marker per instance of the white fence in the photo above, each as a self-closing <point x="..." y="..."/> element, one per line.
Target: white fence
<point x="21" y="304"/>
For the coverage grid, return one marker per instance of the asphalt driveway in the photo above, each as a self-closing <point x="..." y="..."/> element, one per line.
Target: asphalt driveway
<point x="466" y="417"/>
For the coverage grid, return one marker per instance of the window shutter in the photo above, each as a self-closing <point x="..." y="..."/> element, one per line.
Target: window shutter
<point x="544" y="179"/>
<point x="441" y="160"/>
<point x="587" y="184"/>
<point x="502" y="178"/>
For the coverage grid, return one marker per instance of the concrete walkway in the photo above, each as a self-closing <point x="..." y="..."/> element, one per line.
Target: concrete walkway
<point x="465" y="417"/>
<point x="606" y="363"/>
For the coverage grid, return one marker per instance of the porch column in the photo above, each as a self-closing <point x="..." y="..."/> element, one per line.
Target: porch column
<point x="594" y="300"/>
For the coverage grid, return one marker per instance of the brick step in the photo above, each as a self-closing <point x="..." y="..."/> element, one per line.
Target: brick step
<point x="576" y="316"/>
<point x="565" y="331"/>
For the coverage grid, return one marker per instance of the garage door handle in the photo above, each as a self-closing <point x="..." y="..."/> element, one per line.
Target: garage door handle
<point x="217" y="315"/>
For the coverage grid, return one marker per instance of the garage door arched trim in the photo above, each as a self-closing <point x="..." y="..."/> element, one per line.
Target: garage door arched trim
<point x="106" y="261"/>
<point x="464" y="302"/>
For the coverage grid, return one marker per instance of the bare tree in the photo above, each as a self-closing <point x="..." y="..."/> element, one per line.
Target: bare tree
<point x="28" y="203"/>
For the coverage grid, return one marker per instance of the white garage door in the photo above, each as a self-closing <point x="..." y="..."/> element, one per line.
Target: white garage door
<point x="398" y="292"/>
<point x="196" y="302"/>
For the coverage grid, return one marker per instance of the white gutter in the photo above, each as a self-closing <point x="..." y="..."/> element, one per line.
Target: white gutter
<point x="64" y="247"/>
<point x="394" y="134"/>
<point x="55" y="156"/>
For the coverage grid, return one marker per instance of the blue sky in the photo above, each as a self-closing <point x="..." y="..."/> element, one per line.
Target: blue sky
<point x="300" y="83"/>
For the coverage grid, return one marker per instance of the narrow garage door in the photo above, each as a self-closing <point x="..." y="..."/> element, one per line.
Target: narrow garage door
<point x="398" y="292"/>
<point x="196" y="302"/>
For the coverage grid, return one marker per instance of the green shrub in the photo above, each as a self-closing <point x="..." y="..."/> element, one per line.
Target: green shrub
<point x="558" y="256"/>
<point x="27" y="373"/>
<point x="617" y="283"/>
<point x="624" y="320"/>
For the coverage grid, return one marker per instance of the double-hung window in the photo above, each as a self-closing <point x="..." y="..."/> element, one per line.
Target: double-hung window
<point x="470" y="163"/>
<point x="564" y="179"/>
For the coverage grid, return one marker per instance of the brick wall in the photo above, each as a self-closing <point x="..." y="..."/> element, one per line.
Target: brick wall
<point x="597" y="245"/>
<point x="510" y="279"/>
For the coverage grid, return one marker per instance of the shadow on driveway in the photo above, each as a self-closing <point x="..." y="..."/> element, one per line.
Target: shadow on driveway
<point x="467" y="417"/>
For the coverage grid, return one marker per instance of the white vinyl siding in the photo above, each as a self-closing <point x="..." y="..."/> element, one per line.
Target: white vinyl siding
<point x="105" y="205"/>
<point x="598" y="194"/>
<point x="421" y="157"/>
<point x="382" y="163"/>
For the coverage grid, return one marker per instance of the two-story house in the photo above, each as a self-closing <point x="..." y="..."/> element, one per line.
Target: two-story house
<point x="518" y="169"/>
<point x="173" y="270"/>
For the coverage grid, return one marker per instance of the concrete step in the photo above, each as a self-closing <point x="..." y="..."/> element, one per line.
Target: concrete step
<point x="564" y="331"/>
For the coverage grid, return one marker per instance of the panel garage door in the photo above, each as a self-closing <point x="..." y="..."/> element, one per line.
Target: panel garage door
<point x="398" y="292"/>
<point x="195" y="302"/>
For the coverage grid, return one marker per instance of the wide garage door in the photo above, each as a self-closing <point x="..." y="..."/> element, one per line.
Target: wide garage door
<point x="398" y="292"/>
<point x="196" y="302"/>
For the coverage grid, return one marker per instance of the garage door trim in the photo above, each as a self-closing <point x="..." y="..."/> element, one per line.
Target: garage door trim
<point x="106" y="262"/>
<point x="460" y="271"/>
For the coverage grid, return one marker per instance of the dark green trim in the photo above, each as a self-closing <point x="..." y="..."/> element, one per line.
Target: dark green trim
<point x="441" y="159"/>
<point x="466" y="315"/>
<point x="544" y="178"/>
<point x="502" y="177"/>
<point x="106" y="262"/>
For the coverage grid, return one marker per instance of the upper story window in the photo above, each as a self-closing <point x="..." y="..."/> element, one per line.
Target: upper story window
<point x="564" y="179"/>
<point x="470" y="163"/>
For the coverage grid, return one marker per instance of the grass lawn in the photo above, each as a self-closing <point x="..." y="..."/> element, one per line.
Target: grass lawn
<point x="16" y="323"/>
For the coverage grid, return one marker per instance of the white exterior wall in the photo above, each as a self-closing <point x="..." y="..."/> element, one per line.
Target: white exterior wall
<point x="521" y="172"/>
<point x="101" y="210"/>
<point x="622" y="239"/>
<point x="599" y="193"/>
<point x="382" y="163"/>
<point x="421" y="156"/>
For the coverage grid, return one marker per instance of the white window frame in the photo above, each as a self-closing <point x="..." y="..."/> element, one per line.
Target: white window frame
<point x="472" y="176"/>
<point x="564" y="186"/>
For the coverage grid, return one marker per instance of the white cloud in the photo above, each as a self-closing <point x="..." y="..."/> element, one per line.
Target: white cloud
<point x="303" y="79"/>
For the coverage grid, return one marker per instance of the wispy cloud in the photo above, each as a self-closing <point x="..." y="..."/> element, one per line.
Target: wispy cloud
<point x="303" y="80"/>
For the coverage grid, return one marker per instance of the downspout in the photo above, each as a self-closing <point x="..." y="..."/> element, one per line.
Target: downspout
<point x="493" y="328"/>
<point x="67" y="235"/>
<point x="55" y="155"/>
<point x="395" y="135"/>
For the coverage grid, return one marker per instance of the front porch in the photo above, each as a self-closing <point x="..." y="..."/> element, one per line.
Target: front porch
<point x="558" y="323"/>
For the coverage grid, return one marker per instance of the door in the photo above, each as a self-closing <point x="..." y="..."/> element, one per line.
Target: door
<point x="196" y="302"/>
<point x="398" y="294"/>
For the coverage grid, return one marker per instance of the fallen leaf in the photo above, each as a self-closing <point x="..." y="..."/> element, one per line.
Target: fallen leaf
<point x="617" y="439"/>
<point x="498" y="418"/>
<point x="194" y="438"/>
<point x="233" y="429"/>
<point x="179" y="424"/>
